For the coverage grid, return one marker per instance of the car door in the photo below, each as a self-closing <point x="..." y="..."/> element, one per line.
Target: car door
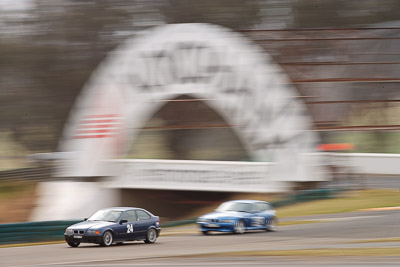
<point x="260" y="215"/>
<point x="142" y="224"/>
<point x="127" y="226"/>
<point x="247" y="214"/>
<point x="269" y="213"/>
<point x="265" y="211"/>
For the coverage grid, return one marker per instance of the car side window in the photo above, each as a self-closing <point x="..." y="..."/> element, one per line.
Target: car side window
<point x="258" y="207"/>
<point x="130" y="216"/>
<point x="262" y="207"/>
<point x="142" y="215"/>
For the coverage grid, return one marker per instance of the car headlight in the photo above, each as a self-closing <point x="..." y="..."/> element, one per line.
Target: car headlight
<point x="69" y="231"/>
<point x="227" y="221"/>
<point x="201" y="220"/>
<point x="93" y="232"/>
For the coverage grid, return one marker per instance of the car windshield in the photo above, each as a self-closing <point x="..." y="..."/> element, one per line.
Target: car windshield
<point x="106" y="215"/>
<point x="235" y="206"/>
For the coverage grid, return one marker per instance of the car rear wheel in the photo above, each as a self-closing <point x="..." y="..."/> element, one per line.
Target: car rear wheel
<point x="204" y="232"/>
<point x="239" y="227"/>
<point x="272" y="225"/>
<point x="151" y="236"/>
<point x="73" y="244"/>
<point x="107" y="239"/>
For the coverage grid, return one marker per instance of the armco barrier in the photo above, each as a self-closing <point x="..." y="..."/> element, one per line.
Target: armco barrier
<point x="30" y="232"/>
<point x="27" y="174"/>
<point x="33" y="231"/>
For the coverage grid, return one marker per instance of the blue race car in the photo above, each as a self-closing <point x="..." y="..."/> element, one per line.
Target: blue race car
<point x="237" y="216"/>
<point x="110" y="225"/>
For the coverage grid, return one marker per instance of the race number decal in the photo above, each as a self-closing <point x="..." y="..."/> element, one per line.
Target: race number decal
<point x="129" y="228"/>
<point x="258" y="221"/>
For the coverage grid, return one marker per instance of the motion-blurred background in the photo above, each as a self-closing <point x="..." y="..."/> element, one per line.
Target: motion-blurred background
<point x="342" y="56"/>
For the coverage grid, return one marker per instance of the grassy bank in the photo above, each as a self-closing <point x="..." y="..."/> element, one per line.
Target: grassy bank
<point x="347" y="201"/>
<point x="17" y="199"/>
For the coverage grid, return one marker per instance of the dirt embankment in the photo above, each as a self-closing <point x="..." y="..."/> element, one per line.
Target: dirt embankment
<point x="17" y="200"/>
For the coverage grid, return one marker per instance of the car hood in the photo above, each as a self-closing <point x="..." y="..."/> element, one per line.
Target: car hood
<point x="91" y="225"/>
<point x="224" y="214"/>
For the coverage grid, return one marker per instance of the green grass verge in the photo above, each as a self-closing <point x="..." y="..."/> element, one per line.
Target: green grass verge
<point x="31" y="244"/>
<point x="348" y="201"/>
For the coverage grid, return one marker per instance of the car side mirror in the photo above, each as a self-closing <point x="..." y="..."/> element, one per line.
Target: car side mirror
<point x="123" y="221"/>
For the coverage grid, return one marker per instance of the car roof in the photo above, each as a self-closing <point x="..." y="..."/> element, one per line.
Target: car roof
<point x="248" y="201"/>
<point x="120" y="208"/>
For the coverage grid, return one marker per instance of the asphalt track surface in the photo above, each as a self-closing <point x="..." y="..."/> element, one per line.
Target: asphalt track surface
<point x="185" y="246"/>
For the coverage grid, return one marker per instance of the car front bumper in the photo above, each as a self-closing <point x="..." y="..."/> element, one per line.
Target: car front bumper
<point x="219" y="227"/>
<point x="83" y="238"/>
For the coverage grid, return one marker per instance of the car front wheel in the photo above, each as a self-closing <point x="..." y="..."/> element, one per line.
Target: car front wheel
<point x="73" y="244"/>
<point x="239" y="227"/>
<point x="107" y="239"/>
<point x="272" y="225"/>
<point x="151" y="236"/>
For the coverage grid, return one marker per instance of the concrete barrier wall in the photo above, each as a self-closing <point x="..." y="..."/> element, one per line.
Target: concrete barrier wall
<point x="71" y="200"/>
<point x="227" y="176"/>
<point x="366" y="163"/>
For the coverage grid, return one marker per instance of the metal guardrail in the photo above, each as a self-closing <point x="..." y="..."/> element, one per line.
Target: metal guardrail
<point x="32" y="174"/>
<point x="31" y="232"/>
